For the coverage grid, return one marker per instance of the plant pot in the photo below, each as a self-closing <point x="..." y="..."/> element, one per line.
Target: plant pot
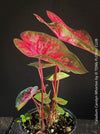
<point x="71" y="115"/>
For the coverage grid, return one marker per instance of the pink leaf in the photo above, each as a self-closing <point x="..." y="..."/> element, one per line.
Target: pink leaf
<point x="50" y="49"/>
<point x="78" y="38"/>
<point x="24" y="96"/>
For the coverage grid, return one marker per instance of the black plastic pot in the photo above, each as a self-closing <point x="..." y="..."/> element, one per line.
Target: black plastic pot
<point x="66" y="110"/>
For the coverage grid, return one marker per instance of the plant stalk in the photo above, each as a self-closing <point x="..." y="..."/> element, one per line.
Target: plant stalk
<point x="55" y="84"/>
<point x="42" y="88"/>
<point x="40" y="77"/>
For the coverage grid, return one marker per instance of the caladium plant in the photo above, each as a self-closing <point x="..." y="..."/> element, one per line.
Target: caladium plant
<point x="51" y="51"/>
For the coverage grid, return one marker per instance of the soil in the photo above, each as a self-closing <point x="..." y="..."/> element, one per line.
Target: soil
<point x="63" y="125"/>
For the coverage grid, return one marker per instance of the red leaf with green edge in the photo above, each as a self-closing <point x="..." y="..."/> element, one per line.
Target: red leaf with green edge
<point x="60" y="101"/>
<point x="49" y="49"/>
<point x="24" y="96"/>
<point x="65" y="66"/>
<point x="60" y="75"/>
<point x="46" y="99"/>
<point x="43" y="63"/>
<point x="78" y="38"/>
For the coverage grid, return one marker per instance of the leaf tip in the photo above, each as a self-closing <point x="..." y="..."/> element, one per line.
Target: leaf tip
<point x="85" y="71"/>
<point x="18" y="108"/>
<point x="15" y="40"/>
<point x="35" y="15"/>
<point x="48" y="12"/>
<point x="39" y="18"/>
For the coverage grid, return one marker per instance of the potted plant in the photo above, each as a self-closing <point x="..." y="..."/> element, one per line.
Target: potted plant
<point x="49" y="116"/>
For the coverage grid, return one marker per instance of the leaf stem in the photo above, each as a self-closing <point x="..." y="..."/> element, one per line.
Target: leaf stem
<point x="57" y="88"/>
<point x="55" y="80"/>
<point x="40" y="78"/>
<point x="42" y="87"/>
<point x="55" y="84"/>
<point x="36" y="103"/>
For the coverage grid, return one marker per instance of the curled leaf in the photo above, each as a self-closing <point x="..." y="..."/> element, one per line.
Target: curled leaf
<point x="24" y="96"/>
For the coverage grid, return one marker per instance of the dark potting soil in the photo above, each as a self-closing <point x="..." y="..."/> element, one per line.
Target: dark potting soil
<point x="63" y="125"/>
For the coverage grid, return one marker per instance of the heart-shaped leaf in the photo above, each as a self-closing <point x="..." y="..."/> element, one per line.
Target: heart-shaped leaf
<point x="60" y="101"/>
<point x="78" y="38"/>
<point x="60" y="75"/>
<point x="49" y="49"/>
<point x="24" y="96"/>
<point x="46" y="99"/>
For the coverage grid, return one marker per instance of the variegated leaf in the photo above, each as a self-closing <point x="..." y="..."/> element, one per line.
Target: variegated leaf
<point x="24" y="96"/>
<point x="46" y="98"/>
<point x="78" y="38"/>
<point x="60" y="101"/>
<point x="59" y="109"/>
<point x="49" y="49"/>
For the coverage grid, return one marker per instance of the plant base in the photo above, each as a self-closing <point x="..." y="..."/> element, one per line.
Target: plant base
<point x="62" y="125"/>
